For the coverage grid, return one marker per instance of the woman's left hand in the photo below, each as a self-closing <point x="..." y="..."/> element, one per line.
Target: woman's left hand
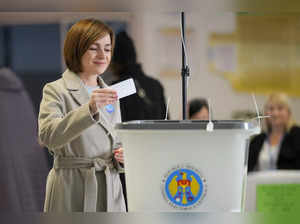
<point x="119" y="155"/>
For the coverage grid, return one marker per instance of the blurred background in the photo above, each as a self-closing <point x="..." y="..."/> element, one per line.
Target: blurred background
<point x="231" y="55"/>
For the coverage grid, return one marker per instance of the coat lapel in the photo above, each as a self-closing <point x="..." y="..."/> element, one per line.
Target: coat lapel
<point x="75" y="87"/>
<point x="80" y="95"/>
<point x="102" y="116"/>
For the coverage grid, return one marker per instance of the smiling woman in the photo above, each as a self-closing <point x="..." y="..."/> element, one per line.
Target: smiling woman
<point x="77" y="127"/>
<point x="84" y="36"/>
<point x="279" y="146"/>
<point x="97" y="58"/>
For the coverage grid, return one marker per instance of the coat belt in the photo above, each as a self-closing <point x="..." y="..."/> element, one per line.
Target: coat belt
<point x="91" y="185"/>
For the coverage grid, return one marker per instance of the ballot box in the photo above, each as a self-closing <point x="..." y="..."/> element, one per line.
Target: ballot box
<point x="181" y="166"/>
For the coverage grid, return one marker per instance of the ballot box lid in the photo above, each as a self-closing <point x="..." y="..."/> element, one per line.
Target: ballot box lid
<point x="184" y="124"/>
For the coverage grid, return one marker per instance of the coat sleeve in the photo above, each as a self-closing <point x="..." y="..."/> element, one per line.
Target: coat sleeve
<point x="252" y="157"/>
<point x="57" y="128"/>
<point x="295" y="133"/>
<point x="163" y="105"/>
<point x="255" y="147"/>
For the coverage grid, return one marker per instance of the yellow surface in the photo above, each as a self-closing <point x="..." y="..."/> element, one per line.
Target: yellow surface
<point x="195" y="186"/>
<point x="267" y="54"/>
<point x="173" y="186"/>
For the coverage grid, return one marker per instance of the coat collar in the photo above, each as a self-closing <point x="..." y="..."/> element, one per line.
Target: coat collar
<point x="73" y="82"/>
<point x="76" y="88"/>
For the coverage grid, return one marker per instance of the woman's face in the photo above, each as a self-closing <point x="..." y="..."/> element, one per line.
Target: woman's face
<point x="279" y="113"/>
<point x="97" y="58"/>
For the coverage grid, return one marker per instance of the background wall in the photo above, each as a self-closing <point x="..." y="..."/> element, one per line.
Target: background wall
<point x="158" y="50"/>
<point x="202" y="83"/>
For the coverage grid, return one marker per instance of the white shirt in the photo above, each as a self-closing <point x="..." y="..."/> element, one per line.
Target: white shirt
<point x="268" y="156"/>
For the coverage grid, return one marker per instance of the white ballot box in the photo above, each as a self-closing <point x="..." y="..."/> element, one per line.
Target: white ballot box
<point x="180" y="166"/>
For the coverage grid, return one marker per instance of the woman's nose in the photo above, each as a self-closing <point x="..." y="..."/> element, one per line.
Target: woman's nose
<point x="100" y="53"/>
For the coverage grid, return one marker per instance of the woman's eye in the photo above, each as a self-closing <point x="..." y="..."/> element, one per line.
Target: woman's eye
<point x="107" y="50"/>
<point x="93" y="49"/>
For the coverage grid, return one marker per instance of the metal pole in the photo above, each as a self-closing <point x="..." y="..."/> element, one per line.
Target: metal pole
<point x="184" y="70"/>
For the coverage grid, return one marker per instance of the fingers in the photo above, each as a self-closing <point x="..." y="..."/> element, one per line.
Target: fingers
<point x="118" y="150"/>
<point x="119" y="155"/>
<point x="102" y="97"/>
<point x="119" y="158"/>
<point x="106" y="92"/>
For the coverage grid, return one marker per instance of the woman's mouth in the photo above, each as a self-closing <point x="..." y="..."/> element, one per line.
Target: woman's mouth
<point x="100" y="62"/>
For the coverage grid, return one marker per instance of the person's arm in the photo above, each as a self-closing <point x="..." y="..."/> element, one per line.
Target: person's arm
<point x="296" y="145"/>
<point x="162" y="102"/>
<point x="56" y="128"/>
<point x="251" y="158"/>
<point x="255" y="147"/>
<point x="164" y="106"/>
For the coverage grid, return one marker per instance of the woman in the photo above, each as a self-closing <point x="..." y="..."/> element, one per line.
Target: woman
<point x="76" y="119"/>
<point x="279" y="146"/>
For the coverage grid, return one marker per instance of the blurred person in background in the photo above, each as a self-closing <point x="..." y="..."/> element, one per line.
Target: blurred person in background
<point x="278" y="147"/>
<point x="23" y="163"/>
<point x="149" y="102"/>
<point x="76" y="123"/>
<point x="198" y="109"/>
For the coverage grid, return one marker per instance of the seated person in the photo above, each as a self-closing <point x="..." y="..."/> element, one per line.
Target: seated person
<point x="149" y="102"/>
<point x="198" y="109"/>
<point x="278" y="146"/>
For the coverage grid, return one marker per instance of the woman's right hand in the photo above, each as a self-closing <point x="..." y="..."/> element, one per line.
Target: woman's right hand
<point x="101" y="98"/>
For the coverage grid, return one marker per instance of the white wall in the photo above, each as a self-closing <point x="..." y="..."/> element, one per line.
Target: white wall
<point x="145" y="31"/>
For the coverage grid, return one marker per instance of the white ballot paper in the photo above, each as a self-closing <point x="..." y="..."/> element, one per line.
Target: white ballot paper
<point x="124" y="88"/>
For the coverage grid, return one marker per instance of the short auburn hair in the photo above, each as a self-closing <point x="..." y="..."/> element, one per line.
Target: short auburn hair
<point x="80" y="37"/>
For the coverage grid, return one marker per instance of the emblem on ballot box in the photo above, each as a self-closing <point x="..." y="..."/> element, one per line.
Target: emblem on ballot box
<point x="184" y="187"/>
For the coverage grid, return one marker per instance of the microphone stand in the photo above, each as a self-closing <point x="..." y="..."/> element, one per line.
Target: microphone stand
<point x="185" y="71"/>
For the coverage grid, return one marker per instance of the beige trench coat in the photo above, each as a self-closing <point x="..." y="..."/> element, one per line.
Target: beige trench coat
<point x="84" y="176"/>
